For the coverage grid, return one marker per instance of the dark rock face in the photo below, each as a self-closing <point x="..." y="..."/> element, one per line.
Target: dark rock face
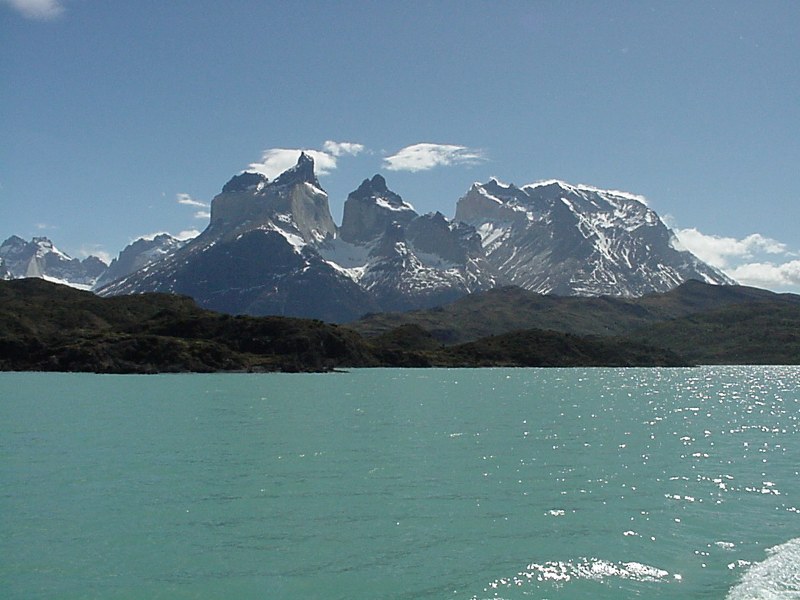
<point x="453" y="241"/>
<point x="244" y="182"/>
<point x="302" y="172"/>
<point x="371" y="209"/>
<point x="138" y="255"/>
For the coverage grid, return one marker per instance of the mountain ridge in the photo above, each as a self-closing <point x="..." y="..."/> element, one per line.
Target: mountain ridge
<point x="272" y="247"/>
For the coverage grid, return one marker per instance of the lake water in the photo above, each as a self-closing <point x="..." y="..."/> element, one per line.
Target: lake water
<point x="413" y="484"/>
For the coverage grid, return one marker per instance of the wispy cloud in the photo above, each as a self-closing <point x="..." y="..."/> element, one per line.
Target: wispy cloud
<point x="754" y="260"/>
<point x="37" y="9"/>
<point x="425" y="156"/>
<point x="189" y="201"/>
<point x="94" y="250"/>
<point x="202" y="214"/>
<point x="275" y="161"/>
<point x="339" y="148"/>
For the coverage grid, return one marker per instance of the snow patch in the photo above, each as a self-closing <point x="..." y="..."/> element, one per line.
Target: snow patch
<point x="383" y="203"/>
<point x="343" y="253"/>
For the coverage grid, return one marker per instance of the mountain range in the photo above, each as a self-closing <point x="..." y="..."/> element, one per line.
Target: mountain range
<point x="272" y="248"/>
<point x="40" y="258"/>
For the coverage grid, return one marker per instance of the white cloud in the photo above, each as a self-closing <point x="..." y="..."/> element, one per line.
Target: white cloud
<point x="202" y="214"/>
<point x="187" y="234"/>
<point x="754" y="260"/>
<point x="339" y="148"/>
<point x="37" y="9"/>
<point x="720" y="251"/>
<point x="275" y="161"/>
<point x="785" y="276"/>
<point x="189" y="201"/>
<point x="94" y="250"/>
<point x="421" y="157"/>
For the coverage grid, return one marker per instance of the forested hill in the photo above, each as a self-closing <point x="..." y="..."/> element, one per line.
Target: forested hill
<point x="50" y="327"/>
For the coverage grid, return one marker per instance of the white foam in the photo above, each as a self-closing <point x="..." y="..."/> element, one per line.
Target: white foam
<point x="594" y="569"/>
<point x="776" y="578"/>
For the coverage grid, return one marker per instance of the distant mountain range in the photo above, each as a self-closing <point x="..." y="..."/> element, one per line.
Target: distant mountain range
<point x="40" y="258"/>
<point x="272" y="248"/>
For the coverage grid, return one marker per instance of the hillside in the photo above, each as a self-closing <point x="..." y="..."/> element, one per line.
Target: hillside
<point x="750" y="333"/>
<point x="508" y="309"/>
<point x="49" y="327"/>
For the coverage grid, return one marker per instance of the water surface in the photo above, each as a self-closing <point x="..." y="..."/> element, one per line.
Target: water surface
<point x="465" y="484"/>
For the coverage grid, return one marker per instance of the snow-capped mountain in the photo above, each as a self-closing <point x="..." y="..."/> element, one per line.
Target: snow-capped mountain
<point x="553" y="237"/>
<point x="272" y="248"/>
<point x="258" y="255"/>
<point x="40" y="258"/>
<point x="403" y="259"/>
<point x="138" y="254"/>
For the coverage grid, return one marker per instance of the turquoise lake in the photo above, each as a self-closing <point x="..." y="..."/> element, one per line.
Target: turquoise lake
<point x="402" y="484"/>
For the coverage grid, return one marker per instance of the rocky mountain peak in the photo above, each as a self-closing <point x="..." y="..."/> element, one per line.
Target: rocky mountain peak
<point x="554" y="237"/>
<point x="375" y="187"/>
<point x="12" y="245"/>
<point x="302" y="172"/>
<point x="40" y="258"/>
<point x="245" y="181"/>
<point x="293" y="202"/>
<point x="371" y="209"/>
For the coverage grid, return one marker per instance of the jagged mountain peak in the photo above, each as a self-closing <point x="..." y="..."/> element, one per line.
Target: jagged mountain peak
<point x="245" y="181"/>
<point x="293" y="203"/>
<point x="371" y="209"/>
<point x="555" y="237"/>
<point x="272" y="247"/>
<point x="41" y="258"/>
<point x="376" y="190"/>
<point x="302" y="172"/>
<point x="582" y="189"/>
<point x="376" y="185"/>
<point x="12" y="244"/>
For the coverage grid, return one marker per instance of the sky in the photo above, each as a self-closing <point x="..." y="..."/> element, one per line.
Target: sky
<point x="120" y="119"/>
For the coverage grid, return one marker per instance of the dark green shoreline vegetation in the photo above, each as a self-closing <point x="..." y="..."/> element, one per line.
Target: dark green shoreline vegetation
<point x="49" y="327"/>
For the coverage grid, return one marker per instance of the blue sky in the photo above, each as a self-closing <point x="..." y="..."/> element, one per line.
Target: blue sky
<point x="120" y="119"/>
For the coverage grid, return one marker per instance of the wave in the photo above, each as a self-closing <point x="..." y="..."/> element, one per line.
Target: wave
<point x="776" y="578"/>
<point x="592" y="569"/>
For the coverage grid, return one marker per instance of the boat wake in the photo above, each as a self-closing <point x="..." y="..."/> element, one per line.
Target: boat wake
<point x="776" y="578"/>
